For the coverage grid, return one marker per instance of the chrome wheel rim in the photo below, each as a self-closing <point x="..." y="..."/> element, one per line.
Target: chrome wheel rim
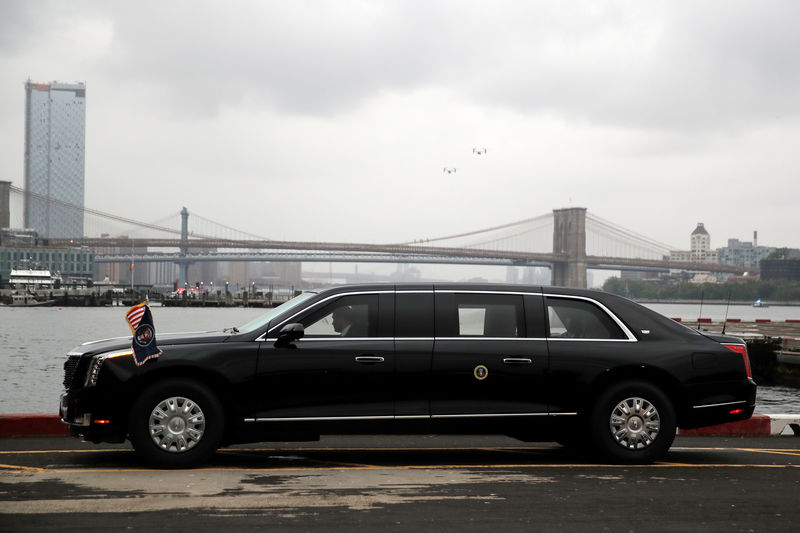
<point x="176" y="424"/>
<point x="635" y="423"/>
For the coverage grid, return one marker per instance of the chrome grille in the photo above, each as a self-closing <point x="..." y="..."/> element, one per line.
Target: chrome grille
<point x="70" y="365"/>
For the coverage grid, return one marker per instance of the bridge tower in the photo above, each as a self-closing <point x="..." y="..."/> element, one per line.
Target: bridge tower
<point x="183" y="265"/>
<point x="569" y="238"/>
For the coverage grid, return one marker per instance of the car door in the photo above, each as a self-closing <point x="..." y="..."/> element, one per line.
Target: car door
<point x="585" y="339"/>
<point x="414" y="336"/>
<point x="339" y="369"/>
<point x="485" y="363"/>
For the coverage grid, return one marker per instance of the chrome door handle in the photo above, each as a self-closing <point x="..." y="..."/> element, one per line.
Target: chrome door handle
<point x="517" y="361"/>
<point x="368" y="359"/>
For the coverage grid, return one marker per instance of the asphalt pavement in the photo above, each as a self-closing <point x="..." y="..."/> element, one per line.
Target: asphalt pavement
<point x="406" y="483"/>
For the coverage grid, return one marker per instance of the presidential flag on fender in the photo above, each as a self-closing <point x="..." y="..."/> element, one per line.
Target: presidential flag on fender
<point x="144" y="333"/>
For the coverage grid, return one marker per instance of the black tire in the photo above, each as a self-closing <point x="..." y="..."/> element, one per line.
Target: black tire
<point x="633" y="422"/>
<point x="176" y="423"/>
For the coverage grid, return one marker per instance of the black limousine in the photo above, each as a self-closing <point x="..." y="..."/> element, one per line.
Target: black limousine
<point x="579" y="367"/>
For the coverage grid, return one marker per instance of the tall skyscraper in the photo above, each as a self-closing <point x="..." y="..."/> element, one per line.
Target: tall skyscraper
<point x="55" y="147"/>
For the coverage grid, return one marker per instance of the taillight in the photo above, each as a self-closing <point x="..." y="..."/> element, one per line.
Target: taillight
<point x="741" y="349"/>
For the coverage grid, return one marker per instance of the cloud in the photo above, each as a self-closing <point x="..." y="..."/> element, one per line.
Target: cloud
<point x="248" y="110"/>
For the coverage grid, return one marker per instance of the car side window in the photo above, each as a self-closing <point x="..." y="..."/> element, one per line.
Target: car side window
<point x="485" y="315"/>
<point x="348" y="316"/>
<point x="580" y="319"/>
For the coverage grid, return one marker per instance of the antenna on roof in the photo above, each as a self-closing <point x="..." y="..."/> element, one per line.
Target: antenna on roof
<point x="727" y="306"/>
<point x="702" y="295"/>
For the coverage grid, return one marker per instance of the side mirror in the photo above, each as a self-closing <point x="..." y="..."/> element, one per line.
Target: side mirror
<point x="288" y="334"/>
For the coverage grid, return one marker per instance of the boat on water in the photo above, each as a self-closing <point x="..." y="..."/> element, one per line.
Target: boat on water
<point x="31" y="286"/>
<point x="29" y="300"/>
<point x="34" y="278"/>
<point x="759" y="303"/>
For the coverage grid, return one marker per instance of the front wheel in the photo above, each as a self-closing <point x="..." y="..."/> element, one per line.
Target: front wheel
<point x="633" y="422"/>
<point x="176" y="423"/>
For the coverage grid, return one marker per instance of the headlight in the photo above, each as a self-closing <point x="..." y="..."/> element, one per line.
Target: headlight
<point x="97" y="363"/>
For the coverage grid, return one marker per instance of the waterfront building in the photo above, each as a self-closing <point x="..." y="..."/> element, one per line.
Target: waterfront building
<point x="55" y="146"/>
<point x="743" y="254"/>
<point x="700" y="252"/>
<point x="783" y="266"/>
<point x="109" y="271"/>
<point x="72" y="263"/>
<point x="238" y="273"/>
<point x="700" y="248"/>
<point x="700" y="240"/>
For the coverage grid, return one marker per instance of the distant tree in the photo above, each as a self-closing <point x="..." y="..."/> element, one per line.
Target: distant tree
<point x="772" y="290"/>
<point x="779" y="253"/>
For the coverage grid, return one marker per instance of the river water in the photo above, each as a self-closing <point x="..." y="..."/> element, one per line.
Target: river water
<point x="34" y="341"/>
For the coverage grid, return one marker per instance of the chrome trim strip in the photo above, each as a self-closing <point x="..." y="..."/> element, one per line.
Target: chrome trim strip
<point x="573" y="339"/>
<point x="89" y="343"/>
<point x="478" y="338"/>
<point x="414" y="291"/>
<point x="398" y="339"/>
<point x="468" y="291"/>
<point x="320" y="339"/>
<point x="490" y="415"/>
<point x="398" y="417"/>
<point x="718" y="404"/>
<point x="322" y="418"/>
<point x="628" y="333"/>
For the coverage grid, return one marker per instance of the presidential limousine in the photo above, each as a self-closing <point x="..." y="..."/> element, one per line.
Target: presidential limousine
<point x="583" y="368"/>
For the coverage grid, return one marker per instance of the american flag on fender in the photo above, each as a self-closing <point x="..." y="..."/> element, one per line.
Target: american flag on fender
<point x="143" y="343"/>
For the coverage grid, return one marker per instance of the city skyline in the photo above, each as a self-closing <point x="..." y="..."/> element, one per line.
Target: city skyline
<point x="333" y="122"/>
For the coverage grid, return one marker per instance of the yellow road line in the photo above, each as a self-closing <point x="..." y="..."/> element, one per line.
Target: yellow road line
<point x="410" y="467"/>
<point x="13" y="452"/>
<point x="23" y="468"/>
<point x="793" y="453"/>
<point x="342" y="465"/>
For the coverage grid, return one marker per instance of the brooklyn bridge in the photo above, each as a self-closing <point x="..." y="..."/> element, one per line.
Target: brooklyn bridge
<point x="568" y="241"/>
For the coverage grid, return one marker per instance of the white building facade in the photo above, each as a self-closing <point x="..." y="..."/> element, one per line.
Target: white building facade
<point x="700" y="248"/>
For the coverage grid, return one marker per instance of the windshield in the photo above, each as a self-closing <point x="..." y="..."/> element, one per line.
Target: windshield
<point x="272" y="313"/>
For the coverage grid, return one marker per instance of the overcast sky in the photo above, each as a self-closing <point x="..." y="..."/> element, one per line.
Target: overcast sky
<point x="315" y="120"/>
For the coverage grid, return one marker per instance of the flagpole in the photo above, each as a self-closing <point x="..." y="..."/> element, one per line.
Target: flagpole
<point x="132" y="260"/>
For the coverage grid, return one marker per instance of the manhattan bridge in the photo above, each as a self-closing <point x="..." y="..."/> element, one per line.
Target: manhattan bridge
<point x="568" y="241"/>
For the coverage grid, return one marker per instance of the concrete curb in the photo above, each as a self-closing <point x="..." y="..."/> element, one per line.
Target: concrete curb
<point x="35" y="425"/>
<point x="32" y="425"/>
<point x="756" y="426"/>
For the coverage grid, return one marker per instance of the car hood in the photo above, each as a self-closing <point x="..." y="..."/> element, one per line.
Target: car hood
<point x="162" y="339"/>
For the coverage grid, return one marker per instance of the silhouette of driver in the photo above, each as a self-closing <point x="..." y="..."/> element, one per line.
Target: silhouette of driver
<point x="343" y="321"/>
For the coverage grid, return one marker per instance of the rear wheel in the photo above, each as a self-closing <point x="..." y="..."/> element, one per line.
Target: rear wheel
<point x="176" y="423"/>
<point x="633" y="422"/>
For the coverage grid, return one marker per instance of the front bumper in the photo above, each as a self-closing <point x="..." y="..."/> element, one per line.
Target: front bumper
<point x="100" y="426"/>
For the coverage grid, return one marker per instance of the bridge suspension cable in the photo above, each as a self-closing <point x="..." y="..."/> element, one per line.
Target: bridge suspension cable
<point x="95" y="212"/>
<point x="625" y="240"/>
<point x="231" y="231"/>
<point x="482" y="231"/>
